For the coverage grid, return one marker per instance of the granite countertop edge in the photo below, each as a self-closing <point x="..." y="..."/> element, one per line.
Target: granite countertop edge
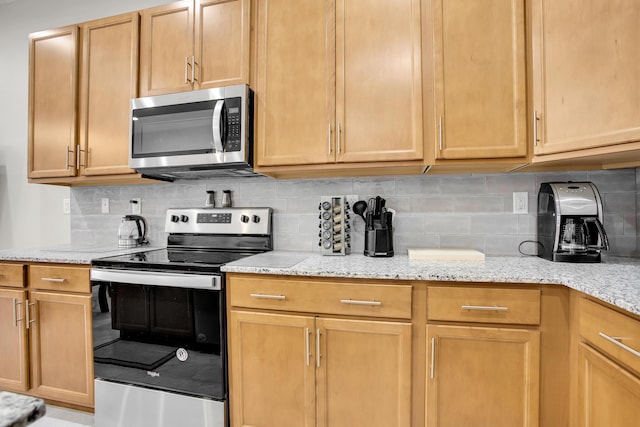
<point x="67" y="254"/>
<point x="616" y="280"/>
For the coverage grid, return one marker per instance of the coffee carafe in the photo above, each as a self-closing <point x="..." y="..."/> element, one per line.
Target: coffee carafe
<point x="570" y="222"/>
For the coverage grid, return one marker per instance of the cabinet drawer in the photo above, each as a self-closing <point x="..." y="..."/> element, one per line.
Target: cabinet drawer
<point x="612" y="332"/>
<point x="376" y="300"/>
<point x="486" y="305"/>
<point x="59" y="278"/>
<point x="12" y="275"/>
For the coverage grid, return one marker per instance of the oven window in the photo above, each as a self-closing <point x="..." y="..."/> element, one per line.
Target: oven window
<point x="162" y="337"/>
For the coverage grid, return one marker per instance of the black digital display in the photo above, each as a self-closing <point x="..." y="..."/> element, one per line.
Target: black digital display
<point x="213" y="218"/>
<point x="234" y="110"/>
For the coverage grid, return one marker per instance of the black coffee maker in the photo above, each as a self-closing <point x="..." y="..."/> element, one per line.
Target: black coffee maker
<point x="570" y="222"/>
<point x="378" y="237"/>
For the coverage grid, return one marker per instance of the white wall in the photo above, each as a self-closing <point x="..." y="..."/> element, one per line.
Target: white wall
<point x="31" y="214"/>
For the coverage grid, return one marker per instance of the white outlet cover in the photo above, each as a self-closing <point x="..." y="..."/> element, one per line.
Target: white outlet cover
<point x="520" y="202"/>
<point x="136" y="208"/>
<point x="105" y="205"/>
<point x="66" y="206"/>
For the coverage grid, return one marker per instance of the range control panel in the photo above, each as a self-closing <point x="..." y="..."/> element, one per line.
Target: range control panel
<point x="219" y="220"/>
<point x="334" y="235"/>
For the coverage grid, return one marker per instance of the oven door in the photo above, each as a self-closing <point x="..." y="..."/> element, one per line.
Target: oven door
<point x="162" y="331"/>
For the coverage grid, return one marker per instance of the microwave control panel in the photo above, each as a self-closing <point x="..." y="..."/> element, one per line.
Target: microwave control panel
<point x="234" y="124"/>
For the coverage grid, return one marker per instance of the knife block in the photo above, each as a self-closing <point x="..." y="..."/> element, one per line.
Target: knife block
<point x="379" y="242"/>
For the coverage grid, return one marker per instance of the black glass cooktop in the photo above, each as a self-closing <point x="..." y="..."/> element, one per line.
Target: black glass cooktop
<point x="182" y="260"/>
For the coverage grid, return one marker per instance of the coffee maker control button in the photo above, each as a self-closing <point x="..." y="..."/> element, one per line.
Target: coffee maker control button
<point x="184" y="218"/>
<point x="175" y="218"/>
<point x="244" y="219"/>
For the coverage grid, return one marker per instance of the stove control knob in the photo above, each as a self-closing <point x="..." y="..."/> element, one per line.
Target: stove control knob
<point x="175" y="218"/>
<point x="244" y="218"/>
<point x="184" y="218"/>
<point x="255" y="219"/>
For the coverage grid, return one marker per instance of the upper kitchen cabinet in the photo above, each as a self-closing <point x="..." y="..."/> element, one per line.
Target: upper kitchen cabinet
<point x="479" y="112"/>
<point x="53" y="75"/>
<point x="194" y="45"/>
<point x="586" y="79"/>
<point x="108" y="82"/>
<point x="338" y="87"/>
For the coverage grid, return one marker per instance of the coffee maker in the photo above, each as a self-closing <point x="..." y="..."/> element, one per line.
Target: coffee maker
<point x="570" y="222"/>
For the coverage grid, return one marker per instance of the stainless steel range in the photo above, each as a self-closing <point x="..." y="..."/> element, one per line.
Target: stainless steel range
<point x="159" y="328"/>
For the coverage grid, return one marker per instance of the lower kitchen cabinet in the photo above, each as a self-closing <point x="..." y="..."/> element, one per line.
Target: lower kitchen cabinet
<point x="45" y="332"/>
<point x="61" y="347"/>
<point x="307" y="371"/>
<point x="482" y="376"/>
<point x="608" y="394"/>
<point x="14" y="366"/>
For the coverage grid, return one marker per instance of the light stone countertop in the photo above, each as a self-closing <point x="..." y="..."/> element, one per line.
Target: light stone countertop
<point x="17" y="410"/>
<point x="615" y="280"/>
<point x="67" y="254"/>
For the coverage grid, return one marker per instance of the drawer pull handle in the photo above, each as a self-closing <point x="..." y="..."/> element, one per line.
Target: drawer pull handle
<point x="267" y="296"/>
<point x="52" y="279"/>
<point x="360" y="302"/>
<point x="484" y="308"/>
<point x="617" y="342"/>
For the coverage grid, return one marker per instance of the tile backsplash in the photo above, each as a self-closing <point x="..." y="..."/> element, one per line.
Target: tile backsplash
<point x="464" y="211"/>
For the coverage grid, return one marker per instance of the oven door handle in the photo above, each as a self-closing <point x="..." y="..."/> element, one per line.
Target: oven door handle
<point x="154" y="278"/>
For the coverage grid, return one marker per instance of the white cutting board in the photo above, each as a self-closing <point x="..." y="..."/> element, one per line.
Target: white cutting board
<point x="446" y="254"/>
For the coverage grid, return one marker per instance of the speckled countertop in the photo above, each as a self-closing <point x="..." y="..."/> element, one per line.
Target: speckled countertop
<point x="67" y="254"/>
<point x="17" y="410"/>
<point x="615" y="280"/>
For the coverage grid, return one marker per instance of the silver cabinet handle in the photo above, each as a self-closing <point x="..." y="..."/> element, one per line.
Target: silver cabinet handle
<point x="360" y="302"/>
<point x="338" y="136"/>
<point x="440" y="130"/>
<point x="79" y="156"/>
<point x="329" y="140"/>
<point x="433" y="358"/>
<point x="267" y="296"/>
<point x="186" y="69"/>
<point x="69" y="151"/>
<point x="318" y="348"/>
<point x="29" y="320"/>
<point x="535" y="126"/>
<point x="484" y="308"/>
<point x="193" y="69"/>
<point x="307" y="333"/>
<point x="15" y="312"/>
<point x="52" y="279"/>
<point x="617" y="342"/>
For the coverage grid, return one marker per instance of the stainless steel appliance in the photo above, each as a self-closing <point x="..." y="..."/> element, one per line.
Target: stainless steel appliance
<point x="132" y="231"/>
<point x="160" y="344"/>
<point x="195" y="134"/>
<point x="570" y="221"/>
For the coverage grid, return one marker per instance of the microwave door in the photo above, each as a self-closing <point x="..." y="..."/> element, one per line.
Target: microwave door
<point x="217" y="127"/>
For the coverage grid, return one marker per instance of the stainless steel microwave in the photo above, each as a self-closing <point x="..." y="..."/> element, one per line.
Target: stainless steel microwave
<point x="195" y="134"/>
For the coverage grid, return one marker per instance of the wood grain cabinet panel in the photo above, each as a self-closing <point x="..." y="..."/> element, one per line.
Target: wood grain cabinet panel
<point x="59" y="278"/>
<point x="53" y="81"/>
<point x="109" y="79"/>
<point x="480" y="51"/>
<point x="14" y="353"/>
<point x="191" y="45"/>
<point x="330" y="91"/>
<point x="586" y="64"/>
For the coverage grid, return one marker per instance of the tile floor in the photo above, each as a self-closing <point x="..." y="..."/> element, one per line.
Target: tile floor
<point x="62" y="417"/>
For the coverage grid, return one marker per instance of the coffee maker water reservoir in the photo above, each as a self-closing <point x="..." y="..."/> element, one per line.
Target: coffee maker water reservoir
<point x="570" y="222"/>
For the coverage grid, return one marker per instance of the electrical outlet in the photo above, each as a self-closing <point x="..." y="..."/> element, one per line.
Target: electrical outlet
<point x="136" y="206"/>
<point x="105" y="205"/>
<point x="521" y="202"/>
<point x="66" y="206"/>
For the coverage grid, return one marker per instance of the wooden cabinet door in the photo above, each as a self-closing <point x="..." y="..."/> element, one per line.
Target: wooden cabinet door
<point x="483" y="377"/>
<point x="53" y="63"/>
<point x="109" y="79"/>
<point x="61" y="347"/>
<point x="378" y="80"/>
<point x="221" y="42"/>
<point x="166" y="49"/>
<point x="480" y="79"/>
<point x="586" y="64"/>
<point x="295" y="82"/>
<point x="271" y="370"/>
<point x="608" y="394"/>
<point x="14" y="362"/>
<point x="364" y="373"/>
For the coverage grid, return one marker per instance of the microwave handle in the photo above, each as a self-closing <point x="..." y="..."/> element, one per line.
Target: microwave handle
<point x="216" y="128"/>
